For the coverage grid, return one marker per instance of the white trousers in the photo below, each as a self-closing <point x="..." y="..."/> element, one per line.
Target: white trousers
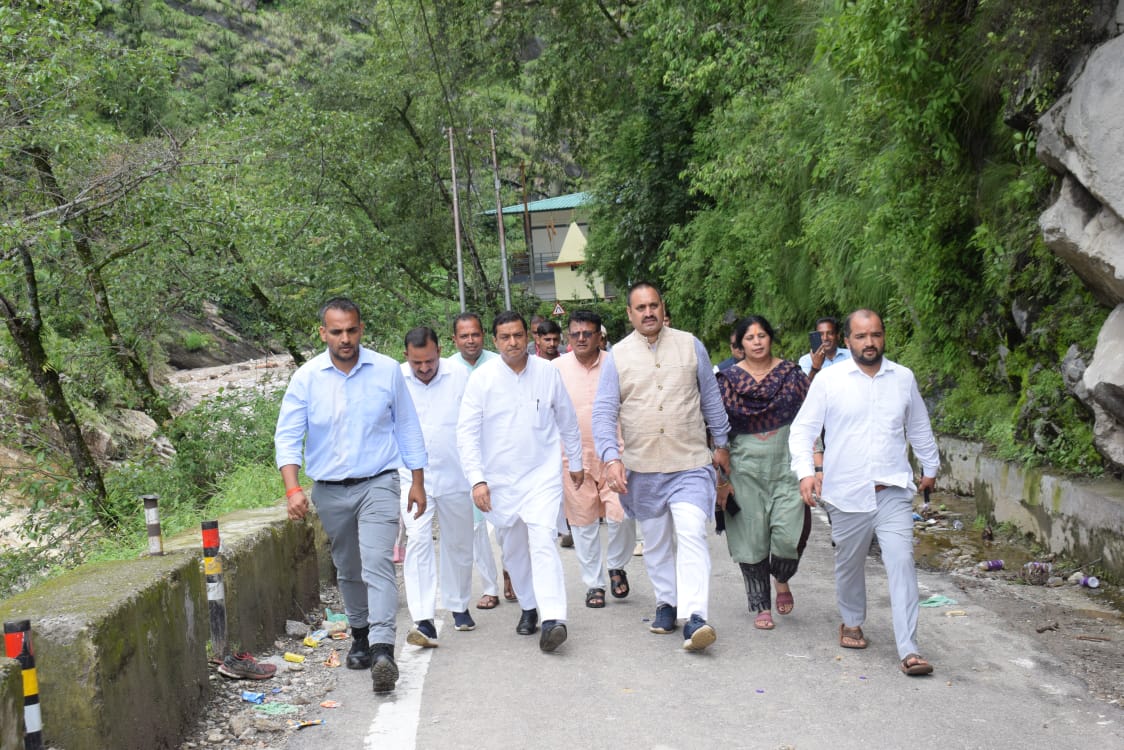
<point x="419" y="571"/>
<point x="592" y="556"/>
<point x="892" y="522"/>
<point x="530" y="556"/>
<point x="485" y="558"/>
<point x="677" y="558"/>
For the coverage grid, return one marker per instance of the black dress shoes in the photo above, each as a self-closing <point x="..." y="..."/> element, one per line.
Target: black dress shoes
<point x="553" y="635"/>
<point x="528" y="622"/>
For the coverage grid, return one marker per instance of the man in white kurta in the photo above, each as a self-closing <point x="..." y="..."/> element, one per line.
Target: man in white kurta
<point x="468" y="336"/>
<point x="515" y="418"/>
<point x="436" y="386"/>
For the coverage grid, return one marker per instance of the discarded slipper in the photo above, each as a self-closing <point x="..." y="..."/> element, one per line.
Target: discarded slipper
<point x="851" y="637"/>
<point x="764" y="621"/>
<point x="785" y="602"/>
<point x="488" y="601"/>
<point x="913" y="665"/>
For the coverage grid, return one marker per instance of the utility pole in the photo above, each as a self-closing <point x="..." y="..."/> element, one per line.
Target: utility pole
<point x="527" y="224"/>
<point x="456" y="220"/>
<point x="499" y="221"/>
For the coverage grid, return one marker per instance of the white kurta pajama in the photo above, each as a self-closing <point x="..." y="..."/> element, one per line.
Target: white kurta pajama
<point x="449" y="497"/>
<point x="511" y="433"/>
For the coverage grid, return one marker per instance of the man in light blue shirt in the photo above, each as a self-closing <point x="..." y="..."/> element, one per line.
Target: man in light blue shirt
<point x="828" y="353"/>
<point x="352" y="405"/>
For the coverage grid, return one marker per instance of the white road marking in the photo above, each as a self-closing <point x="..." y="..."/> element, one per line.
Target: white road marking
<point x="395" y="726"/>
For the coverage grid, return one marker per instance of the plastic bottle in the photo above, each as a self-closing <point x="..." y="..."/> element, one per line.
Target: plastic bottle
<point x="990" y="565"/>
<point x="1091" y="582"/>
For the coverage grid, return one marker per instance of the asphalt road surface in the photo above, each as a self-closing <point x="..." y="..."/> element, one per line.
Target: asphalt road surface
<point x="615" y="685"/>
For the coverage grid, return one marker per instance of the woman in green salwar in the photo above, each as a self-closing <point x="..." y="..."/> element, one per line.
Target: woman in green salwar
<point x="762" y="394"/>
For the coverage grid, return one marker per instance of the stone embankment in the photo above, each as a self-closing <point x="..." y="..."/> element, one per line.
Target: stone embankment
<point x="121" y="648"/>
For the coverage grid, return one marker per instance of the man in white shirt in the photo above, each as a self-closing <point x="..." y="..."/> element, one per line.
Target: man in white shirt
<point x="514" y="419"/>
<point x="468" y="336"/>
<point x="828" y="352"/>
<point x="436" y="387"/>
<point x="868" y="408"/>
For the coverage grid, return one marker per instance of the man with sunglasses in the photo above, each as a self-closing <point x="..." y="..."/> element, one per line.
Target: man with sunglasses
<point x="586" y="505"/>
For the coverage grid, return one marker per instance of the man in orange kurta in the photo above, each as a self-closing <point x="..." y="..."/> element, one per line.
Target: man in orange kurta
<point x="587" y="505"/>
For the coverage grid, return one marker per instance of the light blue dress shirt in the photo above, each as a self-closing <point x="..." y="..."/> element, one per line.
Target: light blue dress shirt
<point x="357" y="424"/>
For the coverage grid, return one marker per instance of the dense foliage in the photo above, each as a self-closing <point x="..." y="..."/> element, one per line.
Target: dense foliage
<point x="792" y="158"/>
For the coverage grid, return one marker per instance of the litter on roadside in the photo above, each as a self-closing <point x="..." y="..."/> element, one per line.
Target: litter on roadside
<point x="938" y="600"/>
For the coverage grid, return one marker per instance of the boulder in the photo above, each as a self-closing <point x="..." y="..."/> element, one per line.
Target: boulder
<point x="1081" y="133"/>
<point x="1103" y="380"/>
<point x="1089" y="237"/>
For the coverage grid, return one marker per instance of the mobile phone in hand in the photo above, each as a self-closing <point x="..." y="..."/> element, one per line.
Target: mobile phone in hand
<point x="815" y="339"/>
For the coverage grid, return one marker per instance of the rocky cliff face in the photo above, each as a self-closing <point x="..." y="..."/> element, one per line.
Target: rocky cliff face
<point x="1082" y="139"/>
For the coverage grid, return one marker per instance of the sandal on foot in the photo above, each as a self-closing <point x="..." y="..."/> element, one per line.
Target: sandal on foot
<point x="851" y="637"/>
<point x="764" y="621"/>
<point x="595" y="598"/>
<point x="619" y="579"/>
<point x="488" y="601"/>
<point x="508" y="591"/>
<point x="913" y="665"/>
<point x="785" y="602"/>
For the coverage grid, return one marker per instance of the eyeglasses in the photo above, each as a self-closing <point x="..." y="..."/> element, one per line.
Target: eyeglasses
<point x="582" y="334"/>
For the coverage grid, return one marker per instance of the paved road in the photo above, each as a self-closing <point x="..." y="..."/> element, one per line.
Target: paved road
<point x="615" y="685"/>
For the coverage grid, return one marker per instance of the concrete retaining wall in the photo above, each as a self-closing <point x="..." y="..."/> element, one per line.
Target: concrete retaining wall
<point x="121" y="648"/>
<point x="1082" y="519"/>
<point x="11" y="704"/>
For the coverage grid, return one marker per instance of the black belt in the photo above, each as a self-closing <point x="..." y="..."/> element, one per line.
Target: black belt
<point x="352" y="481"/>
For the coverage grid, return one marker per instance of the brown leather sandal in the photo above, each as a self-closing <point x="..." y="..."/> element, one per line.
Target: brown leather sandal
<point x="851" y="637"/>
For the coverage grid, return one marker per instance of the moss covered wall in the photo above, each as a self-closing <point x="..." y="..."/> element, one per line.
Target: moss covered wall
<point x="122" y="647"/>
<point x="1080" y="518"/>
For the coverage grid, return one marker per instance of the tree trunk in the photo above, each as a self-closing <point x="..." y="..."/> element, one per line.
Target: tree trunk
<point x="131" y="365"/>
<point x="26" y="332"/>
<point x="269" y="310"/>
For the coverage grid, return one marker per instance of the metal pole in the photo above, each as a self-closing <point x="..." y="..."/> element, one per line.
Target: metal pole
<point x="17" y="645"/>
<point x="527" y="225"/>
<point x="216" y="592"/>
<point x="152" y="523"/>
<point x="457" y="220"/>
<point x="499" y="221"/>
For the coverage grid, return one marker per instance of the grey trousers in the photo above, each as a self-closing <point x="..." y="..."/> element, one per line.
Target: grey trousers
<point x="892" y="522"/>
<point x="362" y="525"/>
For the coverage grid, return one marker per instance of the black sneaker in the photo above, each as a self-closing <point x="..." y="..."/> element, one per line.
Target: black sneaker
<point x="664" y="621"/>
<point x="423" y="634"/>
<point x="463" y="621"/>
<point x="384" y="671"/>
<point x="359" y="657"/>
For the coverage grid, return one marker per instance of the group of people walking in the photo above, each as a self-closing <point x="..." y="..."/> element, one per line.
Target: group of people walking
<point x="644" y="435"/>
